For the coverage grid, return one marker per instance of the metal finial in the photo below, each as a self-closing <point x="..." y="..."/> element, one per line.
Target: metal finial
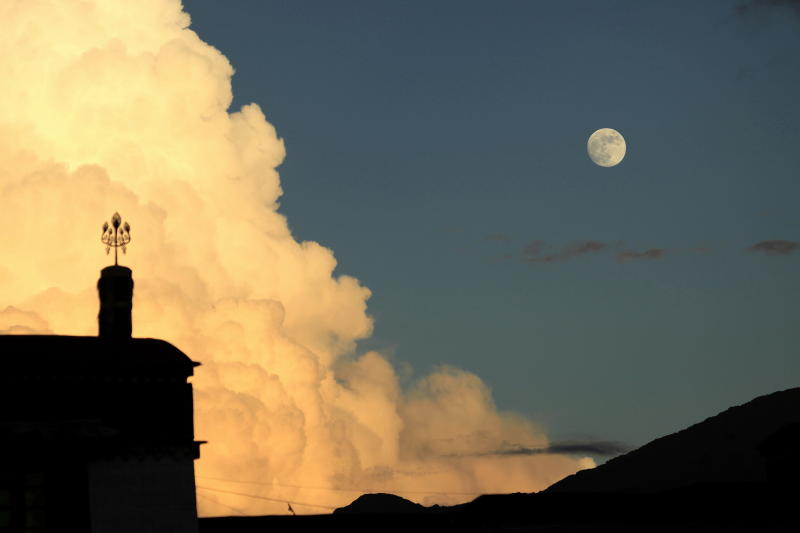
<point x="115" y="236"/>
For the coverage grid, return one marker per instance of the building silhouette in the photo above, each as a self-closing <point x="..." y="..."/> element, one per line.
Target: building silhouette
<point x="97" y="433"/>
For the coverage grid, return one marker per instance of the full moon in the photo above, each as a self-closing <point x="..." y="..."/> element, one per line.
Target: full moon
<point x="606" y="147"/>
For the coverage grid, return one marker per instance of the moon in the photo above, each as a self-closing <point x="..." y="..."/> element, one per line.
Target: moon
<point x="606" y="147"/>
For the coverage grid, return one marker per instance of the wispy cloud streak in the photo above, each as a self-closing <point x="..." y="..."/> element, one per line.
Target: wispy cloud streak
<point x="775" y="247"/>
<point x="534" y="252"/>
<point x="651" y="253"/>
<point x="602" y="448"/>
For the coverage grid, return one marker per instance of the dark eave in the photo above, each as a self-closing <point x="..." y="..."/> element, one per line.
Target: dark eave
<point x="62" y="355"/>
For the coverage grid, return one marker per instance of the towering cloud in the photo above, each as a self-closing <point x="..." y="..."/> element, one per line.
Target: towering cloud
<point x="109" y="105"/>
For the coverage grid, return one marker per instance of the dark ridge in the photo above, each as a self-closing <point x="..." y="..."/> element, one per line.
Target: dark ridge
<point x="380" y="503"/>
<point x="721" y="449"/>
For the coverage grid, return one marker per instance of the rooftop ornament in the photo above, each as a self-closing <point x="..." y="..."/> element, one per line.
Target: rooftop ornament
<point x="116" y="235"/>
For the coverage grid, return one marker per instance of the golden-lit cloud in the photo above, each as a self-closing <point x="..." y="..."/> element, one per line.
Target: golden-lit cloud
<point x="119" y="106"/>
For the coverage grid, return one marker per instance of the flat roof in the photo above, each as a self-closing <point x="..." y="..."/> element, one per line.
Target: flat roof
<point x="65" y="354"/>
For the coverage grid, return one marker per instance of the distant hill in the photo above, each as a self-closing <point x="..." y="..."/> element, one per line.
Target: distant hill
<point x="726" y="448"/>
<point x="380" y="503"/>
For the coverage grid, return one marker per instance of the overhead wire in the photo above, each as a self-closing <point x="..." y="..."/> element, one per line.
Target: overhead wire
<point x="216" y="502"/>
<point x="278" y="500"/>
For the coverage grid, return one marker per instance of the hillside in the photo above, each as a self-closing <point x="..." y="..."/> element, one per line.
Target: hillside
<point x="721" y="449"/>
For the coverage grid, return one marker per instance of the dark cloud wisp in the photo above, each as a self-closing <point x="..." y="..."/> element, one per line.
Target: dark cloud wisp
<point x="537" y="251"/>
<point x="540" y="252"/>
<point x="601" y="448"/>
<point x="775" y="247"/>
<point x="651" y="253"/>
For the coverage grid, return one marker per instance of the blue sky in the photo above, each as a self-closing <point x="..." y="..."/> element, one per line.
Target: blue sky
<point x="439" y="148"/>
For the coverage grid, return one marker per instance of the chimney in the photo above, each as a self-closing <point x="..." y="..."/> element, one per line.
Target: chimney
<point x="116" y="301"/>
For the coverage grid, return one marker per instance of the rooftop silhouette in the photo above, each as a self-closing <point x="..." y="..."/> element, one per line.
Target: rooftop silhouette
<point x="97" y="433"/>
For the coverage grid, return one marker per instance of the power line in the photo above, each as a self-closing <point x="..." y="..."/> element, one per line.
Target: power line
<point x="342" y="490"/>
<point x="268" y="499"/>
<point x="212" y="500"/>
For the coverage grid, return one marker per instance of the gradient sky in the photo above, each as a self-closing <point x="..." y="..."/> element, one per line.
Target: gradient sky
<point x="439" y="148"/>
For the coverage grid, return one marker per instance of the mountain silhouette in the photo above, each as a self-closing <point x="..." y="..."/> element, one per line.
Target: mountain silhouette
<point x="726" y="448"/>
<point x="380" y="503"/>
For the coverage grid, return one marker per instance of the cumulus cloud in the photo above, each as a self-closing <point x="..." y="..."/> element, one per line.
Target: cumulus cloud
<point x="15" y="321"/>
<point x="119" y="106"/>
<point x="775" y="247"/>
